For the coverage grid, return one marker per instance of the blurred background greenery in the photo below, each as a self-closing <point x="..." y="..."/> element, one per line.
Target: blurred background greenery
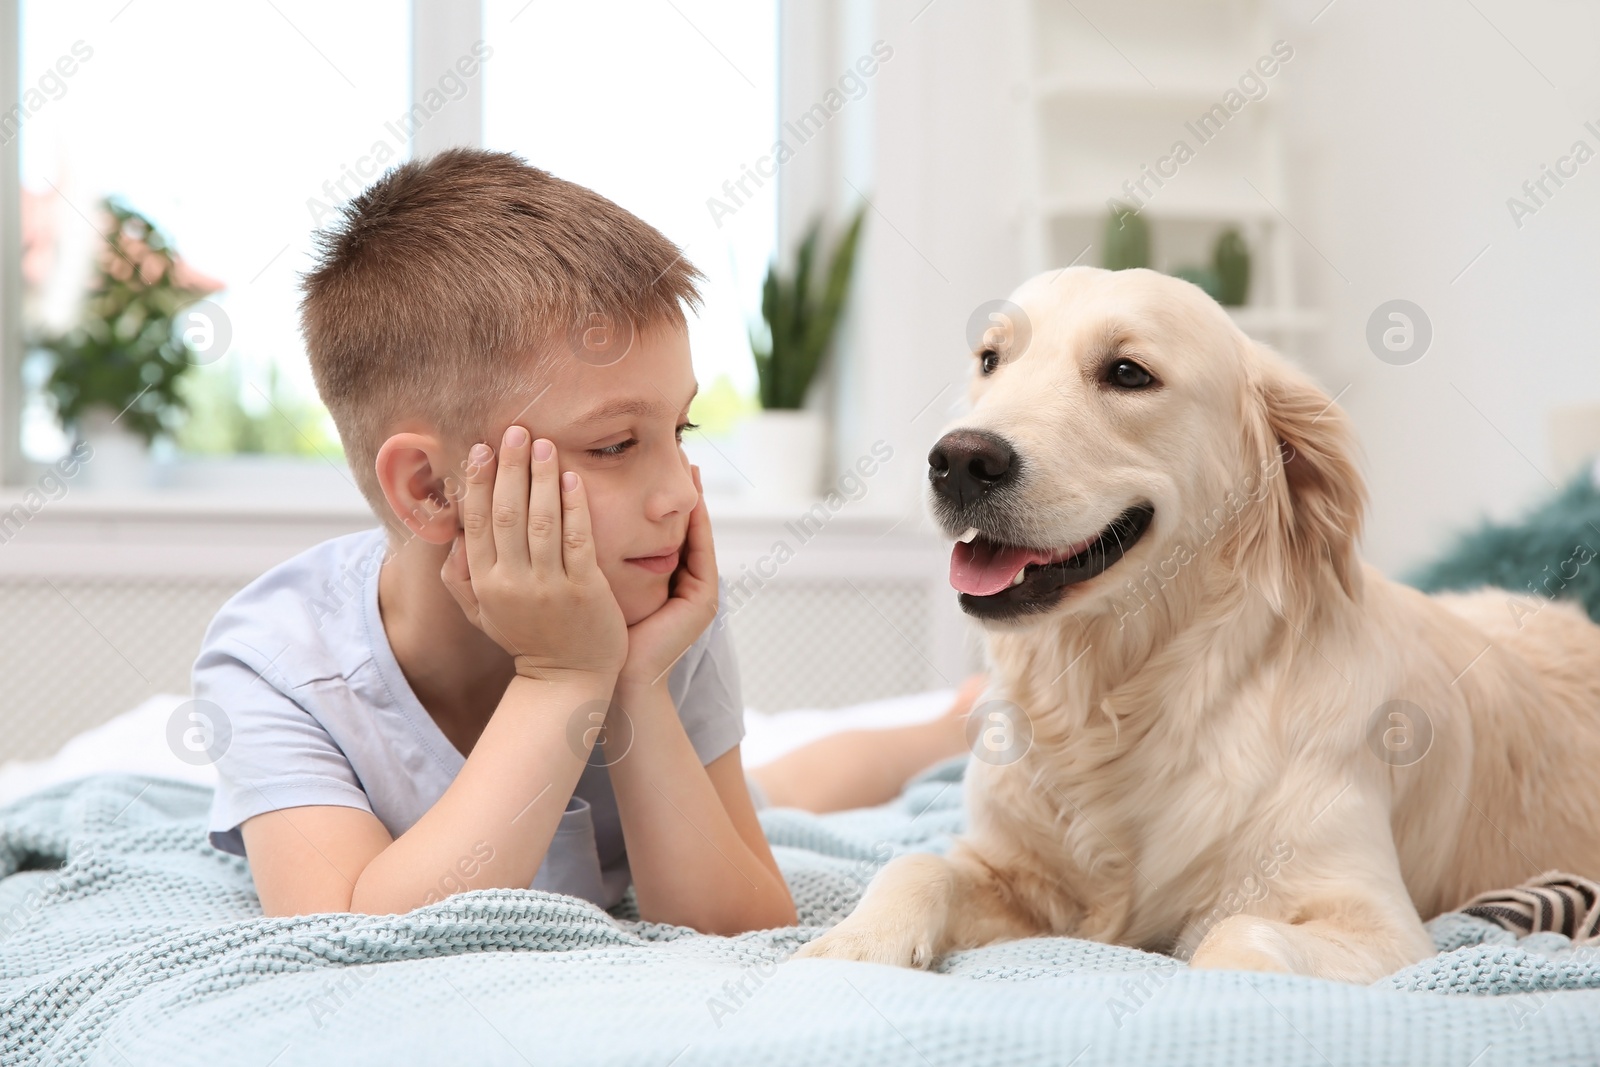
<point x="229" y="414"/>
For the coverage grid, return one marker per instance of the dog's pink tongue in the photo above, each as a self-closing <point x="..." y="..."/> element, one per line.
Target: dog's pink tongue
<point x="981" y="568"/>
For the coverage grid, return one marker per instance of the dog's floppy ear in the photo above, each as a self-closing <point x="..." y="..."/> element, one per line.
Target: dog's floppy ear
<point x="1320" y="499"/>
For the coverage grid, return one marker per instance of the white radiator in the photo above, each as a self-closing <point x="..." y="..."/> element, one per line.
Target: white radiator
<point x="105" y="601"/>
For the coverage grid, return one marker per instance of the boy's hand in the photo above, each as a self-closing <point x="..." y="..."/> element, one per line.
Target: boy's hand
<point x="657" y="641"/>
<point x="523" y="567"/>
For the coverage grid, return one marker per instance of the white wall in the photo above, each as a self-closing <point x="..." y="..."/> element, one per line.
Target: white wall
<point x="1411" y="125"/>
<point x="932" y="145"/>
<point x="1419" y="121"/>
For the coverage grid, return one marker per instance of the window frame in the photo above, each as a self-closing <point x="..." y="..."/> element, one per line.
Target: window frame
<point x="441" y="30"/>
<point x="14" y="470"/>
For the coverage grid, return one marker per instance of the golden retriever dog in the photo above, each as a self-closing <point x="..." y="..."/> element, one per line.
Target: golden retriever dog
<point x="1213" y="730"/>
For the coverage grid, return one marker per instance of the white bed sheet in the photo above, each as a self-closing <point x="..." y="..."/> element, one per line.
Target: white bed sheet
<point x="136" y="741"/>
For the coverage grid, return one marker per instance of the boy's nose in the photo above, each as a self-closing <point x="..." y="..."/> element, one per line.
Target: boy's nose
<point x="675" y="493"/>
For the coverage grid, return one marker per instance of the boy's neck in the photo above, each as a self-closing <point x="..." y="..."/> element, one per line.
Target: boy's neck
<point x="457" y="672"/>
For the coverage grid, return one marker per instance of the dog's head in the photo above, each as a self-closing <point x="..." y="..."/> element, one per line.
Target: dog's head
<point x="1125" y="435"/>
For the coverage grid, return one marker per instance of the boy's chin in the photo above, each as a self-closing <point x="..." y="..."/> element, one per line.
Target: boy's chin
<point x="643" y="600"/>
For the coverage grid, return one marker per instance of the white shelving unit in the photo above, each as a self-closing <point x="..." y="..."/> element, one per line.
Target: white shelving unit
<point x="1114" y="86"/>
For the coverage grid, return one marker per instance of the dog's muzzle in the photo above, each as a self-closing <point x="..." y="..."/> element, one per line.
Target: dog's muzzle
<point x="967" y="464"/>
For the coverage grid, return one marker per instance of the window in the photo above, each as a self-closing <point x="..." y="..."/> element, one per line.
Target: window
<point x="658" y="118"/>
<point x="237" y="128"/>
<point x="221" y="123"/>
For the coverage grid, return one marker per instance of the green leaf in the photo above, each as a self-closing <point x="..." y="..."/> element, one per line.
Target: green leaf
<point x="825" y="321"/>
<point x="122" y="353"/>
<point x="800" y="321"/>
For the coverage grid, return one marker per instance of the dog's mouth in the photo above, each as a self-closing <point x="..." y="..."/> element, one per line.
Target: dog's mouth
<point x="997" y="580"/>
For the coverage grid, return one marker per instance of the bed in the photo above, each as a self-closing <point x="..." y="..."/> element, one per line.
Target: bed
<point x="126" y="939"/>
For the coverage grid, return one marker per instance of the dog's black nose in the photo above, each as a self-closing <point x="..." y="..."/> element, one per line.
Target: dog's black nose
<point x="965" y="464"/>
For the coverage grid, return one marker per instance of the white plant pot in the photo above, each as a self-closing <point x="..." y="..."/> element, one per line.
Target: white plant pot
<point x="121" y="459"/>
<point x="781" y="453"/>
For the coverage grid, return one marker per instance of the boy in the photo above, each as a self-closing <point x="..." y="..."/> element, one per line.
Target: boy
<point x="525" y="667"/>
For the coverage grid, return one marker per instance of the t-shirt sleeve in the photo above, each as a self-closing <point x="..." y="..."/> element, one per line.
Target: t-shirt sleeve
<point x="270" y="751"/>
<point x="712" y="708"/>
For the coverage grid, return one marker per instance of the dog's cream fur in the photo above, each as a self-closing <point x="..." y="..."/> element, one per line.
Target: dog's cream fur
<point x="1203" y="777"/>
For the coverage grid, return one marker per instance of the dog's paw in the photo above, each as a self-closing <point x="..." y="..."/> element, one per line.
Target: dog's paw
<point x="1245" y="943"/>
<point x="896" y="947"/>
<point x="1238" y="958"/>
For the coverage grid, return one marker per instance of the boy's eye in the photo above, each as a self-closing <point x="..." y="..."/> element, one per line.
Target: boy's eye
<point x="622" y="446"/>
<point x="613" y="450"/>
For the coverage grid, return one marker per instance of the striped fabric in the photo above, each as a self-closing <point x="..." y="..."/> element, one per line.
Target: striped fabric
<point x="1554" y="902"/>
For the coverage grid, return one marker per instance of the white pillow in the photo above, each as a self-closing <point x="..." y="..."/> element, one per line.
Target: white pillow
<point x="135" y="742"/>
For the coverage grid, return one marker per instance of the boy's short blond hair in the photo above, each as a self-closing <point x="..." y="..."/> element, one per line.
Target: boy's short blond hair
<point x="439" y="280"/>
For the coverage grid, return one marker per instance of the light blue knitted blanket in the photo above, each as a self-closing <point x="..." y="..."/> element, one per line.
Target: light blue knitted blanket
<point x="125" y="939"/>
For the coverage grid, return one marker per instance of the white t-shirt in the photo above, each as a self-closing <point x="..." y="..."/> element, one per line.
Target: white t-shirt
<point x="311" y="707"/>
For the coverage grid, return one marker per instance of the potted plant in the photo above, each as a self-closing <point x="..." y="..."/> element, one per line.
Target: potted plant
<point x="784" y="443"/>
<point x="1127" y="239"/>
<point x="1227" y="279"/>
<point x="114" y="376"/>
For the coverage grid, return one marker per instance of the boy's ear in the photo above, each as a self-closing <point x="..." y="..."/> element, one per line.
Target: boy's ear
<point x="420" y="486"/>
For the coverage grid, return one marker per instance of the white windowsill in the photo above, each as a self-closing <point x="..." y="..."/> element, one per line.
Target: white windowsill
<point x="230" y="518"/>
<point x="271" y="488"/>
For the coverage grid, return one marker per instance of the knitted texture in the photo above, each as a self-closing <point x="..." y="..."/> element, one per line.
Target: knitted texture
<point x="126" y="939"/>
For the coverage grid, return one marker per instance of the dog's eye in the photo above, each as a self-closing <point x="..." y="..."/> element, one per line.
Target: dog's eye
<point x="988" y="360"/>
<point x="1126" y="374"/>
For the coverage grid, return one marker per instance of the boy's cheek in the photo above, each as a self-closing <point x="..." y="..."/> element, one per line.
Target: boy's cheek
<point x="614" y="570"/>
<point x="637" y="605"/>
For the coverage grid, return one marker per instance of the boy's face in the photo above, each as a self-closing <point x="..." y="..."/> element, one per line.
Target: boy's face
<point x="619" y="426"/>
